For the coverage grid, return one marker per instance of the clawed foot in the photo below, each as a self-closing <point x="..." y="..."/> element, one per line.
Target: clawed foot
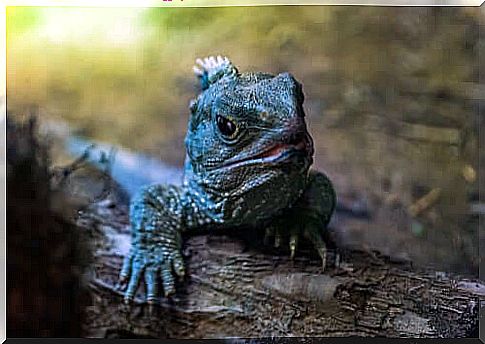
<point x="153" y="267"/>
<point x="308" y="232"/>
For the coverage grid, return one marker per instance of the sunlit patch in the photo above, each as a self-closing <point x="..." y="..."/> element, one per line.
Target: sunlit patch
<point x="117" y="26"/>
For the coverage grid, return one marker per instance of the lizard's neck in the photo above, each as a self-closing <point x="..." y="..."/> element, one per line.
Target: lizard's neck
<point x="210" y="199"/>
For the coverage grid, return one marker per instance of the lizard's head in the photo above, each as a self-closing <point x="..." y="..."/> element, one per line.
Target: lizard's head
<point x="248" y="129"/>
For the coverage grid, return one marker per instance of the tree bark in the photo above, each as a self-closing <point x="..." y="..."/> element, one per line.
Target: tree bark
<point x="235" y="287"/>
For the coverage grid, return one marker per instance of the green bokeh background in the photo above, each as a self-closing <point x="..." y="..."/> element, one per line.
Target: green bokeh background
<point x="391" y="97"/>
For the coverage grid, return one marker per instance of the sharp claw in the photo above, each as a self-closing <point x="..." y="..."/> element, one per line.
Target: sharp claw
<point x="127" y="300"/>
<point x="317" y="240"/>
<point x="269" y="232"/>
<point x="337" y="260"/>
<point x="169" y="291"/>
<point x="293" y="243"/>
<point x="181" y="273"/>
<point x="322" y="251"/>
<point x="152" y="308"/>
<point x="277" y="240"/>
<point x="178" y="267"/>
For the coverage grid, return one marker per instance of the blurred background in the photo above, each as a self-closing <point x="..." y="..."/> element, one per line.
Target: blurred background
<point x="392" y="100"/>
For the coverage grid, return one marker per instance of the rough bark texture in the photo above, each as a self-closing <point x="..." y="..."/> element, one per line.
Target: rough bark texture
<point x="237" y="288"/>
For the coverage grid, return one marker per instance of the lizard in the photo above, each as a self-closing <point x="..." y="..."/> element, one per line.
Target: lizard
<point x="248" y="164"/>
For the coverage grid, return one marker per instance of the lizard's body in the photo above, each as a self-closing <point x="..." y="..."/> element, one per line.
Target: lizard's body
<point x="248" y="165"/>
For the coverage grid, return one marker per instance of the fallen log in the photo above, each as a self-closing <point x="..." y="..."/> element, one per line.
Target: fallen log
<point x="235" y="287"/>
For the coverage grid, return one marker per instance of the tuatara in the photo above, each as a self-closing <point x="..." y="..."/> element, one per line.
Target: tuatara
<point x="247" y="165"/>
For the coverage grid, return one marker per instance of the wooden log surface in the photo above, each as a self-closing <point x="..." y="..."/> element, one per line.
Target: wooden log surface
<point x="236" y="287"/>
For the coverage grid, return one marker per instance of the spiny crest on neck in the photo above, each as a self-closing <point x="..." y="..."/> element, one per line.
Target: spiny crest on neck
<point x="212" y="69"/>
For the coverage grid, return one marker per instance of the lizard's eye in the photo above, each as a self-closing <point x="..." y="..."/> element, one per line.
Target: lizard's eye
<point x="227" y="127"/>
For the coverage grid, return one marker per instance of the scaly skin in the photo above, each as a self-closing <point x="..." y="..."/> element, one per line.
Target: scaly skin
<point x="248" y="164"/>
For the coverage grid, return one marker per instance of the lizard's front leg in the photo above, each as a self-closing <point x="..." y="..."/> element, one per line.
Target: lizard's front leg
<point x="156" y="215"/>
<point x="309" y="216"/>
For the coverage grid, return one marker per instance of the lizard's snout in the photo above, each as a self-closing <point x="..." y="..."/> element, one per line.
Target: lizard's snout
<point x="294" y="130"/>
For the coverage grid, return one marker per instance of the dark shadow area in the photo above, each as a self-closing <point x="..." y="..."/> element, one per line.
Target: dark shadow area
<point x="45" y="297"/>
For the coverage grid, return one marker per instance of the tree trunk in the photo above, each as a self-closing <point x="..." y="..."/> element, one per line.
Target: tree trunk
<point x="237" y="289"/>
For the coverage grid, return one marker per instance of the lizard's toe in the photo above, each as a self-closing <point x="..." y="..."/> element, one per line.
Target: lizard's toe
<point x="316" y="238"/>
<point x="125" y="272"/>
<point x="167" y="280"/>
<point x="151" y="281"/>
<point x="135" y="277"/>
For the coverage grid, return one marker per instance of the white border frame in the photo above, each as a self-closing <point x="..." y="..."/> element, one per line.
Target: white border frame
<point x="225" y="3"/>
<point x="142" y="3"/>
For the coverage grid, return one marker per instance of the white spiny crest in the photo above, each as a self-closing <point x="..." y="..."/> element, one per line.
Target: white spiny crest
<point x="214" y="68"/>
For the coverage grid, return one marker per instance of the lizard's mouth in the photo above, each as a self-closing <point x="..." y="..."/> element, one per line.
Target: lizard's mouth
<point x="280" y="149"/>
<point x="278" y="153"/>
